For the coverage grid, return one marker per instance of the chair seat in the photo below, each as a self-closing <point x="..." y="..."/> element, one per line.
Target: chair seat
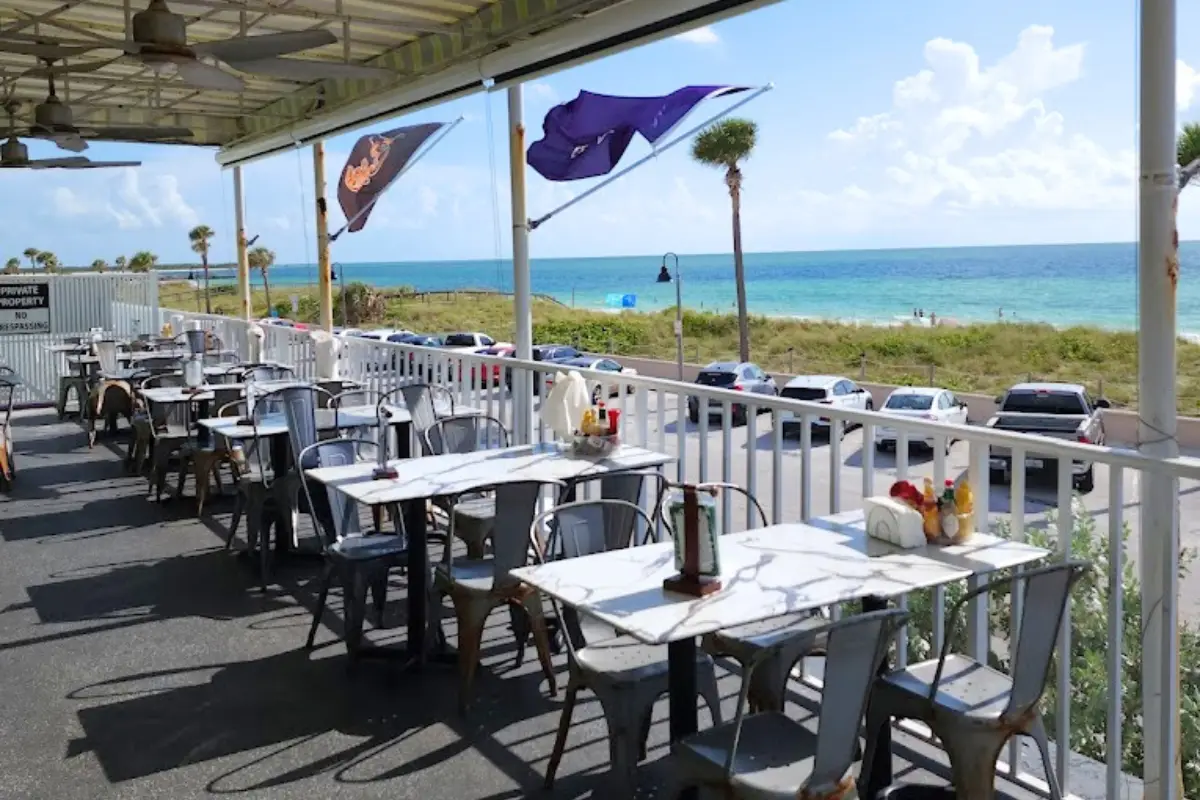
<point x="474" y="517"/>
<point x="171" y="432"/>
<point x="624" y="659"/>
<point x="364" y="547"/>
<point x="774" y="759"/>
<point x="472" y="574"/>
<point x="743" y="641"/>
<point x="967" y="689"/>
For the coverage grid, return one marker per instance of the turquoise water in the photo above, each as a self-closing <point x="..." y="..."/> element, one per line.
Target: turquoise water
<point x="1060" y="284"/>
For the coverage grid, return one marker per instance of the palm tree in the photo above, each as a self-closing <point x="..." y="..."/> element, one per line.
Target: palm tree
<point x="13" y="266"/>
<point x="142" y="261"/>
<point x="199" y="237"/>
<point x="47" y="260"/>
<point x="1187" y="152"/>
<point x="99" y="265"/>
<point x="725" y="145"/>
<point x="121" y="261"/>
<point x="261" y="259"/>
<point x="31" y="253"/>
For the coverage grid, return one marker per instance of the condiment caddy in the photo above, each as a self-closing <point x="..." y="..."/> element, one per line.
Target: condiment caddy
<point x="946" y="518"/>
<point x="598" y="432"/>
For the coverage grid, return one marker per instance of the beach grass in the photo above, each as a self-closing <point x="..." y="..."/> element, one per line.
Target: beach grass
<point x="983" y="358"/>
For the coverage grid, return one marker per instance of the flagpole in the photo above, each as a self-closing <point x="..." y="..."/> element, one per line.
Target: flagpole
<point x="534" y="223"/>
<point x="425" y="148"/>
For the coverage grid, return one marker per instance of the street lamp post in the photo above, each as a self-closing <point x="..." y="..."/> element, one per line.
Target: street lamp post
<point x="678" y="312"/>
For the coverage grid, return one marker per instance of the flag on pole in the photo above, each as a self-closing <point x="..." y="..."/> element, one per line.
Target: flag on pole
<point x="587" y="136"/>
<point x="375" y="161"/>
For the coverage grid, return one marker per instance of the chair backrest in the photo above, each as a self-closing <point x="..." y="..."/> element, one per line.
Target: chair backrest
<point x="220" y="358"/>
<point x="300" y="405"/>
<point x="584" y="528"/>
<point x="106" y="353"/>
<point x="426" y="404"/>
<point x="1047" y="591"/>
<point x="628" y="486"/>
<point x="516" y="506"/>
<point x="158" y="363"/>
<point x="465" y="433"/>
<point x="268" y="372"/>
<point x="166" y="380"/>
<point x="166" y="413"/>
<point x="335" y="514"/>
<point x="856" y="648"/>
<point x="721" y="491"/>
<point x="235" y="409"/>
<point x="224" y="395"/>
<point x="72" y="340"/>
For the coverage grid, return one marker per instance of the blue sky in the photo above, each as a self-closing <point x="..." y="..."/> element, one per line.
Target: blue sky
<point x="891" y="125"/>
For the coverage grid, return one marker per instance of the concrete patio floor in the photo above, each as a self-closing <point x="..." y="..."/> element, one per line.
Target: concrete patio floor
<point x="139" y="659"/>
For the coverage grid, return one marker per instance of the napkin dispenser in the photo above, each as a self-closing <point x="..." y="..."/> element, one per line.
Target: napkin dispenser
<point x="890" y="520"/>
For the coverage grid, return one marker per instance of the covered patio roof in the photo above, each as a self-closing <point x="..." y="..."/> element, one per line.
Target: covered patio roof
<point x="435" y="49"/>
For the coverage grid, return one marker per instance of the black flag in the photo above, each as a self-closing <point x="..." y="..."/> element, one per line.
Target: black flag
<point x="374" y="163"/>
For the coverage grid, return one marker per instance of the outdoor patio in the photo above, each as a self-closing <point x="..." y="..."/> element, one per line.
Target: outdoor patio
<point x="142" y="660"/>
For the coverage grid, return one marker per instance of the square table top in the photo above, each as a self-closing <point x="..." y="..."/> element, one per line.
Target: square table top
<point x="447" y="475"/>
<point x="765" y="572"/>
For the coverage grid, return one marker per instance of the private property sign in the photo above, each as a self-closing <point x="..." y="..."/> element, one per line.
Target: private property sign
<point x="24" y="307"/>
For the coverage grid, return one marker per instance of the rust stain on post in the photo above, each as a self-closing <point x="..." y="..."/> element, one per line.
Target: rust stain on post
<point x="1173" y="252"/>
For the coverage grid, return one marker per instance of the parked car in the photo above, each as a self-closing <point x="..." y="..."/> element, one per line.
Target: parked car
<point x="467" y="342"/>
<point x="544" y="352"/>
<point x="500" y="351"/>
<point x="347" y="331"/>
<point x="382" y="334"/>
<point x="1056" y="410"/>
<point x="597" y="390"/>
<point x="829" y="390"/>
<point x="738" y="377"/>
<point x="418" y="339"/>
<point x="920" y="402"/>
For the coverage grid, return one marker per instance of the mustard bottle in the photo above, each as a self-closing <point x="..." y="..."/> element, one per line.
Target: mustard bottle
<point x="931" y="522"/>
<point x="964" y="498"/>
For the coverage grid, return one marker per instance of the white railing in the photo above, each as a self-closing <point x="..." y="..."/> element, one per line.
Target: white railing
<point x="792" y="483"/>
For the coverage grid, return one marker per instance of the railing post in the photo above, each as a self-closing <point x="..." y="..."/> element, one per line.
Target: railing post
<point x="1158" y="274"/>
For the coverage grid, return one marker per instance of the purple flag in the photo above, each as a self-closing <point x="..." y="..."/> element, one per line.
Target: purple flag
<point x="587" y="136"/>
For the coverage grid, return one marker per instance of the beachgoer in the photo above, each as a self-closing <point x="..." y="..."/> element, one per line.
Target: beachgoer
<point x="1000" y="312"/>
<point x="921" y="312"/>
<point x="932" y="318"/>
<point x="914" y="313"/>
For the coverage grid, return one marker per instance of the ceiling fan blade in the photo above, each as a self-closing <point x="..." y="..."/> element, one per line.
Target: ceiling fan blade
<point x="56" y="163"/>
<point x="106" y="164"/>
<point x="42" y="49"/>
<point x="71" y="142"/>
<point x="206" y="76"/>
<point x="136" y="132"/>
<point x="253" y="48"/>
<point x="66" y="69"/>
<point x="308" y="71"/>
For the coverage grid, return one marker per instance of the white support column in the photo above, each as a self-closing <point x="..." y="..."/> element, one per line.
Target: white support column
<point x="1158" y="271"/>
<point x="522" y="381"/>
<point x="243" y="266"/>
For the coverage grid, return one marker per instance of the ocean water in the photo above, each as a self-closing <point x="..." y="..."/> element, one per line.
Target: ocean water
<point x="1093" y="284"/>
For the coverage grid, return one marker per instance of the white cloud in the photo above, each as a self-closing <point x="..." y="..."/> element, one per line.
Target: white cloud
<point x="961" y="136"/>
<point x="704" y="35"/>
<point x="543" y="91"/>
<point x="1187" y="83"/>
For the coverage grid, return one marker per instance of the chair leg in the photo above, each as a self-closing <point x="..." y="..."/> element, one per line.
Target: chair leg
<point x="624" y="716"/>
<point x="239" y="503"/>
<point x="319" y="611"/>
<point x="706" y="678"/>
<point x="541" y="638"/>
<point x="560" y="741"/>
<point x="520" y="628"/>
<point x="877" y="717"/>
<point x="354" y="593"/>
<point x="973" y="761"/>
<point x="379" y="588"/>
<point x="264" y="553"/>
<point x="200" y="473"/>
<point x="1037" y="731"/>
<point x="184" y="462"/>
<point x="471" y="611"/>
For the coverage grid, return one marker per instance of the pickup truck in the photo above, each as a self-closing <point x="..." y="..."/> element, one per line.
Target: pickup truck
<point x="1056" y="410"/>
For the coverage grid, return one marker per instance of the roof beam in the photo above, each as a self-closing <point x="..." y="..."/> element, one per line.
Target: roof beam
<point x="311" y="13"/>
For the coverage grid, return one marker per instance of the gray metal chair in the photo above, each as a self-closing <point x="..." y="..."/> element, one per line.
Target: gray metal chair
<point x="973" y="709"/>
<point x="472" y="515"/>
<point x="769" y="755"/>
<point x="168" y="427"/>
<point x="626" y="676"/>
<point x="743" y="643"/>
<point x="268" y="372"/>
<point x="359" y="559"/>
<point x="478" y="586"/>
<point x="426" y="404"/>
<point x="251" y="481"/>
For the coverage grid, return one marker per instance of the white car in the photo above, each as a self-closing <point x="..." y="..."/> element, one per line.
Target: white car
<point x="382" y="334"/>
<point x="596" y="389"/>
<point x="829" y="390"/>
<point x="920" y="402"/>
<point x="467" y="342"/>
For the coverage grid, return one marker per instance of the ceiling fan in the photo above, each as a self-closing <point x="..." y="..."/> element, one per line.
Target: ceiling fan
<point x="52" y="119"/>
<point x="157" y="37"/>
<point x="15" y="155"/>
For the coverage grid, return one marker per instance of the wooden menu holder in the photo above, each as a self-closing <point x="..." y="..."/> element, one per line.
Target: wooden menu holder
<point x="690" y="581"/>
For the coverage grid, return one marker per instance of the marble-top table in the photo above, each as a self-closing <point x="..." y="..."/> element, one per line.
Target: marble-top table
<point x="765" y="573"/>
<point x="421" y="479"/>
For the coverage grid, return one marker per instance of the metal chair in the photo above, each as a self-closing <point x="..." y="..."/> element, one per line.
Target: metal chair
<point x="361" y="560"/>
<point x="477" y="586"/>
<point x="8" y="387"/>
<point x="426" y="404"/>
<point x="473" y="514"/>
<point x="208" y="457"/>
<point x="626" y="676"/>
<point x="769" y="755"/>
<point x="251" y="482"/>
<point x="743" y="643"/>
<point x="268" y="372"/>
<point x="973" y="709"/>
<point x="168" y="426"/>
<point x="357" y="398"/>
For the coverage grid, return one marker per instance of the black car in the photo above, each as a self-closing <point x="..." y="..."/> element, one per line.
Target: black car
<point x="418" y="339"/>
<point x="739" y="377"/>
<point x="545" y="352"/>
